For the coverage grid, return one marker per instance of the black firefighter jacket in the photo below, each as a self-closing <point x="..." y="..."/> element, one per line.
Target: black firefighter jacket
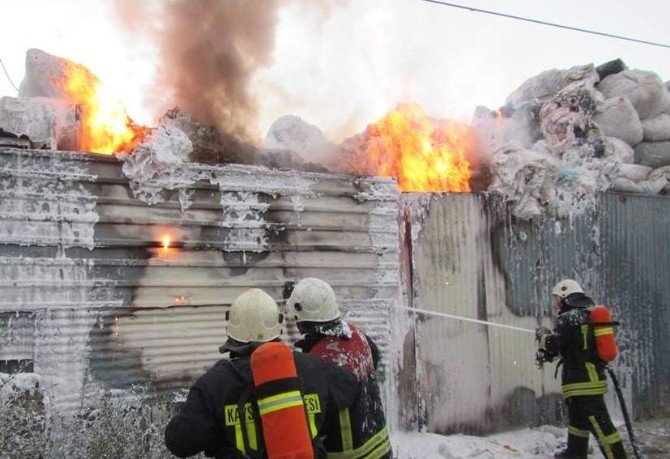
<point x="583" y="371"/>
<point x="209" y="421"/>
<point x="364" y="423"/>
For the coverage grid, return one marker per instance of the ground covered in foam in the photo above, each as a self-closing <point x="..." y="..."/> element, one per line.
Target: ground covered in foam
<point x="653" y="438"/>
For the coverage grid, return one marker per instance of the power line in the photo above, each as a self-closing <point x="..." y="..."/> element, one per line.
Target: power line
<point x="551" y="24"/>
<point x="7" y="74"/>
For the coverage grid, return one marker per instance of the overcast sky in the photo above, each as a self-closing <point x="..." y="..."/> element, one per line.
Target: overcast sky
<point x="344" y="71"/>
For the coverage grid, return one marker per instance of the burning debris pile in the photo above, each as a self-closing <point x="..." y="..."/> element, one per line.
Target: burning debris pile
<point x="565" y="135"/>
<point x="423" y="153"/>
<point x="561" y="137"/>
<point x="62" y="105"/>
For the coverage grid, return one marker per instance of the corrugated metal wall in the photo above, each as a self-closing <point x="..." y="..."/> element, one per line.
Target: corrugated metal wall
<point x="84" y="270"/>
<point x="470" y="257"/>
<point x="92" y="299"/>
<point x="635" y="241"/>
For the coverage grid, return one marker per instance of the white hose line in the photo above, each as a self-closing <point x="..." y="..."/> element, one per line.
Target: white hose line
<point x="465" y="319"/>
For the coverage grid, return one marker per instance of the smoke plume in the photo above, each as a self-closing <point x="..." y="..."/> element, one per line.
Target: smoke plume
<point x="208" y="52"/>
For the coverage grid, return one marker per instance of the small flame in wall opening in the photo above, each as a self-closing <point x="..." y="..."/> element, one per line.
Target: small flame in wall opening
<point x="180" y="300"/>
<point x="167" y="240"/>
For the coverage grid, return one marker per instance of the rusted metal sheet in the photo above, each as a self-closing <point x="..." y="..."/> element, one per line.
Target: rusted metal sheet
<point x="111" y="306"/>
<point x="470" y="257"/>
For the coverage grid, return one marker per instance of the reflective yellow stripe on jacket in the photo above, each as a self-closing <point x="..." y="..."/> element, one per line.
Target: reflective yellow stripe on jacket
<point x="269" y="405"/>
<point x="601" y="331"/>
<point x="232" y="419"/>
<point x="279" y="402"/>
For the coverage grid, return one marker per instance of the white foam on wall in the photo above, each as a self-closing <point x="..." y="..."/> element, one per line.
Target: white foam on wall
<point x="46" y="203"/>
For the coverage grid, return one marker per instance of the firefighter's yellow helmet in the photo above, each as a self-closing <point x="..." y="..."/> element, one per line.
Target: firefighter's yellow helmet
<point x="254" y="316"/>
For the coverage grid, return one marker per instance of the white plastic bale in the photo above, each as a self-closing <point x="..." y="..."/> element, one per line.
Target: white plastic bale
<point x="653" y="154"/>
<point x="619" y="151"/>
<point x="660" y="172"/>
<point x="626" y="185"/>
<point x="616" y="117"/>
<point x="542" y="87"/>
<point x="644" y="89"/>
<point x="293" y="133"/>
<point x="635" y="172"/>
<point x="654" y="186"/>
<point x="659" y="180"/>
<point x="657" y="128"/>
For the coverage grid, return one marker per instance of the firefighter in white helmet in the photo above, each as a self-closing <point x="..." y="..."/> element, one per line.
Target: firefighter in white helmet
<point x="583" y="374"/>
<point x="254" y="316"/>
<point x="363" y="431"/>
<point x="210" y="421"/>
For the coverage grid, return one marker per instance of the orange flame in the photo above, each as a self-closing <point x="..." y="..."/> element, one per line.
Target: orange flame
<point x="166" y="241"/>
<point x="106" y="127"/>
<point x="423" y="153"/>
<point x="180" y="300"/>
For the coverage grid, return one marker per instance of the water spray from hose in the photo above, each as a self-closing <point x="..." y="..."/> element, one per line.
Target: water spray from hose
<point x="466" y="319"/>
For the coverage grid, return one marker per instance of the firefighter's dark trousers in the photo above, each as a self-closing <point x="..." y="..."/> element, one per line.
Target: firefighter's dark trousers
<point x="588" y="414"/>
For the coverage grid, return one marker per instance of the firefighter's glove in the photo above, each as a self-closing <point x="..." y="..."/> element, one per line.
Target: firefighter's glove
<point x="540" y="332"/>
<point x="540" y="335"/>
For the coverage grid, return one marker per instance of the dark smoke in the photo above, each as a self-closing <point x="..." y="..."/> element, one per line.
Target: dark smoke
<point x="209" y="51"/>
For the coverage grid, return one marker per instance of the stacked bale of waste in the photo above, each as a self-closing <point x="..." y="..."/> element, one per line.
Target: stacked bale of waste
<point x="565" y="135"/>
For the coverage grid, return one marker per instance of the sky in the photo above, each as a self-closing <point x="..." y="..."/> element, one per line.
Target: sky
<point x="346" y="66"/>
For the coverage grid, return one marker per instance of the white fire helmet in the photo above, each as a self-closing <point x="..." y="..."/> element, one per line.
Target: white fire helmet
<point x="566" y="287"/>
<point x="313" y="300"/>
<point x="254" y="316"/>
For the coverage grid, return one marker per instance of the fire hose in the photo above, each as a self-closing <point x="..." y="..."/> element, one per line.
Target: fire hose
<point x="466" y="319"/>
<point x="624" y="411"/>
<point x="540" y="360"/>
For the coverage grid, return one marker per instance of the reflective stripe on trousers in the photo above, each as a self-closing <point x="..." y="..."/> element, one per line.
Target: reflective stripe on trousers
<point x="375" y="447"/>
